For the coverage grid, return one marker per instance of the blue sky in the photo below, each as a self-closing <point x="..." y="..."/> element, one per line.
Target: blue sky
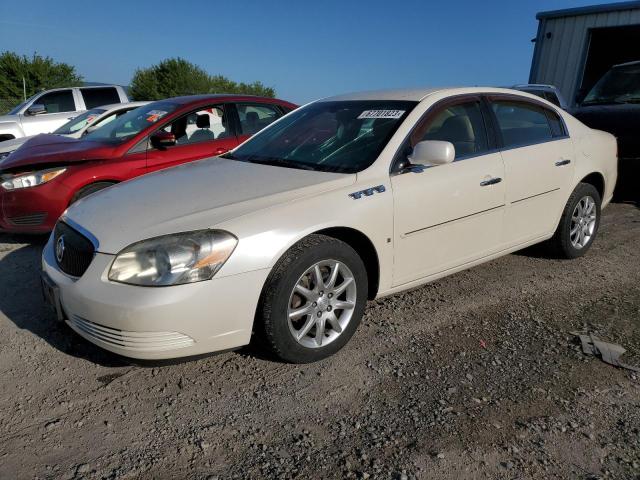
<point x="304" y="49"/>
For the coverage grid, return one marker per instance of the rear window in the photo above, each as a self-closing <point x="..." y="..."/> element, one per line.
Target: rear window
<point x="96" y="97"/>
<point x="521" y="123"/>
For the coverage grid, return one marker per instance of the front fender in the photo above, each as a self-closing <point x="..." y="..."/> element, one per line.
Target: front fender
<point x="11" y="128"/>
<point x="266" y="235"/>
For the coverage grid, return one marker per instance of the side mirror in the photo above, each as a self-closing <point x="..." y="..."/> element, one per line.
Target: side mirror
<point x="36" y="109"/>
<point x="162" y="139"/>
<point x="433" y="152"/>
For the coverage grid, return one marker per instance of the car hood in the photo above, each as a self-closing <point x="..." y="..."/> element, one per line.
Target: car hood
<point x="192" y="196"/>
<point x="44" y="149"/>
<point x="11" y="145"/>
<point x="9" y="118"/>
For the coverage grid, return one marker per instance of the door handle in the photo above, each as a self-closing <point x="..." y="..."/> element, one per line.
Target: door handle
<point x="491" y="181"/>
<point x="563" y="162"/>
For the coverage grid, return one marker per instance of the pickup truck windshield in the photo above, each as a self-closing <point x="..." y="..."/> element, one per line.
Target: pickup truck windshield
<point x="79" y="122"/>
<point x="621" y="84"/>
<point x="338" y="136"/>
<point x="131" y="123"/>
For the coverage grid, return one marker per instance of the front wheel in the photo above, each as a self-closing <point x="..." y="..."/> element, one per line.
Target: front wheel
<point x="579" y="223"/>
<point x="313" y="301"/>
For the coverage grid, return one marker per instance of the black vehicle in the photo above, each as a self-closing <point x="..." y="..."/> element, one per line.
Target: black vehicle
<point x="613" y="105"/>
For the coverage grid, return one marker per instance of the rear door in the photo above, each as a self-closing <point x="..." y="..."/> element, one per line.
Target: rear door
<point x="539" y="165"/>
<point x="202" y="133"/>
<point x="60" y="107"/>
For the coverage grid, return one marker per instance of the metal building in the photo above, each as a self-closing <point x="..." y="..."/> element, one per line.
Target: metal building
<point x="576" y="46"/>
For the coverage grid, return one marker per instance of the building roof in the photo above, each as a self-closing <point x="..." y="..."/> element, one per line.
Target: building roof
<point x="591" y="9"/>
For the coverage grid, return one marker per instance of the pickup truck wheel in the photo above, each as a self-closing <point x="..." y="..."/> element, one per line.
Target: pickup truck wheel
<point x="89" y="189"/>
<point x="579" y="223"/>
<point x="313" y="300"/>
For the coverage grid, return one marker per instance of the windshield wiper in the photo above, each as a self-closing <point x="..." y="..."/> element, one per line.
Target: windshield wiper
<point x="609" y="101"/>
<point x="280" y="162"/>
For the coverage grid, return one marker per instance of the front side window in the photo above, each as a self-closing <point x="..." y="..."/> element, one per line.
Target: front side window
<point x="337" y="136"/>
<point x="203" y="125"/>
<point x="462" y="125"/>
<point x="521" y="123"/>
<point x="131" y="123"/>
<point x="254" y="117"/>
<point x="57" y="102"/>
<point x="79" y="122"/>
<point x="96" y="97"/>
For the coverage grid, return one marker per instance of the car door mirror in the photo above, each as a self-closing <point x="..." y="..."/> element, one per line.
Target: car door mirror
<point x="432" y="152"/>
<point x="36" y="109"/>
<point x="163" y="139"/>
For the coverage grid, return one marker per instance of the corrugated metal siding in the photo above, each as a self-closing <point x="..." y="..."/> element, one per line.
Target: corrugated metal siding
<point x="561" y="57"/>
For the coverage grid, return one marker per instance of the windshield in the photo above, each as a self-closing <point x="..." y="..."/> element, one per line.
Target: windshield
<point x="79" y="122"/>
<point x="343" y="136"/>
<point x="619" y="85"/>
<point x="132" y="123"/>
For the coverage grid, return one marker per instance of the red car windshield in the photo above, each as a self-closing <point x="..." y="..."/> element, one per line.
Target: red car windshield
<point x="131" y="123"/>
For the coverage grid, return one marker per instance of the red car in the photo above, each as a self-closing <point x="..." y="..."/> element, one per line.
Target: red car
<point x="48" y="173"/>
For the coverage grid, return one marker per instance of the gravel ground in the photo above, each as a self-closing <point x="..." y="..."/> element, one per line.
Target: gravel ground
<point x="474" y="376"/>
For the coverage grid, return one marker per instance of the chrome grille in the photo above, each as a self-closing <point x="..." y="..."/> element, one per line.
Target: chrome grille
<point x="73" y="251"/>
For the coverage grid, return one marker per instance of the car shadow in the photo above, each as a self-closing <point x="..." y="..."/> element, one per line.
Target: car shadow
<point x="22" y="302"/>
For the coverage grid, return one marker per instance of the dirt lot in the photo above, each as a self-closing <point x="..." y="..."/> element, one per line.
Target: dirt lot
<point x="475" y="376"/>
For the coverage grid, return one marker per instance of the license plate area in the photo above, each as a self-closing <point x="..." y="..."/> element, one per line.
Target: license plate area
<point x="51" y="294"/>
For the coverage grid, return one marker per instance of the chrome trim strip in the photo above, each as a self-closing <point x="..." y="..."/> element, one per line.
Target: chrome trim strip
<point x="533" y="196"/>
<point x="82" y="230"/>
<point x="454" y="220"/>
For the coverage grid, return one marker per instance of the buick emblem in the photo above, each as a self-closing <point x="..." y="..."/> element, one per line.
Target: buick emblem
<point x="60" y="248"/>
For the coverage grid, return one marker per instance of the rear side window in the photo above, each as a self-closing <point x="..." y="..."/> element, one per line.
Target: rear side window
<point x="57" y="102"/>
<point x="521" y="123"/>
<point x="254" y="117"/>
<point x="462" y="125"/>
<point x="96" y="97"/>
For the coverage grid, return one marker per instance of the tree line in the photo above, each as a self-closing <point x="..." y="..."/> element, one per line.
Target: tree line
<point x="20" y="75"/>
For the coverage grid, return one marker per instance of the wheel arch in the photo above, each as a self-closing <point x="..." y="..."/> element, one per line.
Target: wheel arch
<point x="597" y="180"/>
<point x="364" y="247"/>
<point x="93" y="181"/>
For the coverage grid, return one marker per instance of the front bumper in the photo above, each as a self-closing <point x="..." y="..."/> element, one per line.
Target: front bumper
<point x="33" y="210"/>
<point x="157" y="322"/>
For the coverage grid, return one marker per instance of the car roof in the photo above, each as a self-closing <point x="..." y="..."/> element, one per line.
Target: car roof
<point x="118" y="106"/>
<point x="418" y="94"/>
<point x="189" y="99"/>
<point x="540" y="86"/>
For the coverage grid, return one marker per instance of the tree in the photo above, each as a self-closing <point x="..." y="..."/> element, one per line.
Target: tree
<point x="176" y="76"/>
<point x="39" y="73"/>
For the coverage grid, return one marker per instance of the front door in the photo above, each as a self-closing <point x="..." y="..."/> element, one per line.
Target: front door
<point x="199" y="134"/>
<point x="449" y="215"/>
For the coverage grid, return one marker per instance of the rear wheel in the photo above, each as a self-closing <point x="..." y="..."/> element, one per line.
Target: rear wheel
<point x="89" y="189"/>
<point x="579" y="223"/>
<point x="313" y="301"/>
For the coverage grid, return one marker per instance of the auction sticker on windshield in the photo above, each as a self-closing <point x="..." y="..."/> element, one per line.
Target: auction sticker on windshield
<point x="381" y="114"/>
<point x="155" y="115"/>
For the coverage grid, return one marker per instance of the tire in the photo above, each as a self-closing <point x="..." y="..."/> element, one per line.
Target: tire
<point x="279" y="301"/>
<point x="566" y="243"/>
<point x="89" y="189"/>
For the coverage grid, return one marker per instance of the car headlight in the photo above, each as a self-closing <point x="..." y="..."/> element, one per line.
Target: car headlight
<point x="26" y="180"/>
<point x="4" y="155"/>
<point x="173" y="259"/>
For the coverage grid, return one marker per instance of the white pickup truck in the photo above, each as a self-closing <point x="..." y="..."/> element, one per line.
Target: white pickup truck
<point x="46" y="111"/>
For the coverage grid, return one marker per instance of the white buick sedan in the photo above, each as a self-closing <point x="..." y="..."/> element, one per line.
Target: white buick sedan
<point x="349" y="198"/>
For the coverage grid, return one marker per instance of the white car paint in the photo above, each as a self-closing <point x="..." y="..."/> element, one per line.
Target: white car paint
<point x="9" y="146"/>
<point x="422" y="226"/>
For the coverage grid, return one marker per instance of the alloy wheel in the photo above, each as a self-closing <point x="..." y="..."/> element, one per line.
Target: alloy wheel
<point x="583" y="222"/>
